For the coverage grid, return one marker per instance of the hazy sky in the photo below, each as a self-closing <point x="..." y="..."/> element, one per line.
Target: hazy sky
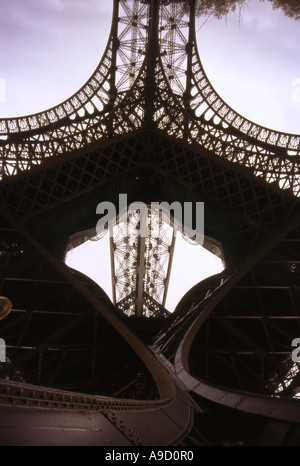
<point x="253" y="61"/>
<point x="49" y="49"/>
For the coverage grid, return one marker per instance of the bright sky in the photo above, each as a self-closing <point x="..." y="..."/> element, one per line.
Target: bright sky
<point x="93" y="259"/>
<point x="253" y="61"/>
<point x="49" y="49"/>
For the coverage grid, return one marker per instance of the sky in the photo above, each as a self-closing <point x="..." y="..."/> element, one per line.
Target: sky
<point x="93" y="259"/>
<point x="256" y="70"/>
<point x="49" y="49"/>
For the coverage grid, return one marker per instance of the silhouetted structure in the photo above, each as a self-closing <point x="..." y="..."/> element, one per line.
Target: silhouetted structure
<point x="80" y="371"/>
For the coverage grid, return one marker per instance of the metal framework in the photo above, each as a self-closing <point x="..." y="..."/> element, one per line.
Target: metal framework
<point x="149" y="123"/>
<point x="141" y="264"/>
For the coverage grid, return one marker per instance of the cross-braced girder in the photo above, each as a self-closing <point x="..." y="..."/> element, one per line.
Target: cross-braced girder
<point x="141" y="262"/>
<point x="151" y="73"/>
<point x="148" y="122"/>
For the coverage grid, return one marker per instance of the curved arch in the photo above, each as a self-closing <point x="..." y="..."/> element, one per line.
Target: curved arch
<point x="201" y="98"/>
<point x="101" y="84"/>
<point x="76" y="103"/>
<point x="210" y="122"/>
<point x="283" y="409"/>
<point x="173" y="409"/>
<point x="225" y="116"/>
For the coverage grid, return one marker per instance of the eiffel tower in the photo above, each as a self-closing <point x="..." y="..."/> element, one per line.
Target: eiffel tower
<point x="84" y="370"/>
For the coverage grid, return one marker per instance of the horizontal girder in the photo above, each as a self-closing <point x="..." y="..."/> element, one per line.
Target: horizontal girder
<point x="150" y="74"/>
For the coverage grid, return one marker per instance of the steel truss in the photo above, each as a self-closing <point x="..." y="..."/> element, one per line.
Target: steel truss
<point x="149" y="121"/>
<point x="141" y="265"/>
<point x="152" y="50"/>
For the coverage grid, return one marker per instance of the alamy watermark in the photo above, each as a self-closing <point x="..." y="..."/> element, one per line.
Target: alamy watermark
<point x="296" y="351"/>
<point x="187" y="218"/>
<point x="2" y="350"/>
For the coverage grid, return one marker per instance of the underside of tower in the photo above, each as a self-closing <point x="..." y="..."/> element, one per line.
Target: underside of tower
<point x="126" y="371"/>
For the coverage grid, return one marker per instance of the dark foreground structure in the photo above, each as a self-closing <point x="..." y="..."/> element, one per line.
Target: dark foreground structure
<point x="83" y="370"/>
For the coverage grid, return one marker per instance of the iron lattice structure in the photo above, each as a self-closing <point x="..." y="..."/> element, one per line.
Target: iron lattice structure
<point x="149" y="123"/>
<point x="141" y="264"/>
<point x="117" y="100"/>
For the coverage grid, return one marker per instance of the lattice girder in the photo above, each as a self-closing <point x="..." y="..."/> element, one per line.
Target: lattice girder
<point x="149" y="123"/>
<point x="263" y="206"/>
<point x="185" y="104"/>
<point x="141" y="264"/>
